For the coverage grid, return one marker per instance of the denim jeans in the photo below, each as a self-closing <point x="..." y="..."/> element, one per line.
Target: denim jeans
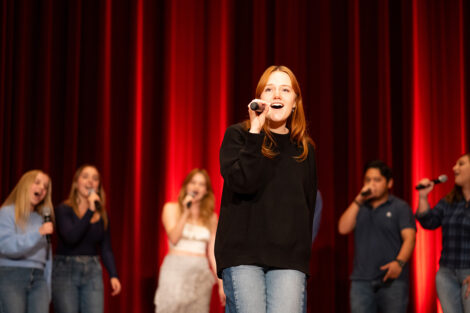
<point x="77" y="284"/>
<point x="450" y="290"/>
<point x="23" y="290"/>
<point x="254" y="289"/>
<point x="372" y="296"/>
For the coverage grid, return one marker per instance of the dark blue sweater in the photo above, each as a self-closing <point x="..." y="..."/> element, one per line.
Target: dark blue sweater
<point x="77" y="236"/>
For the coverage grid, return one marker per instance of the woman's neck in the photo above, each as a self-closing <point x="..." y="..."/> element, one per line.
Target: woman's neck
<point x="279" y="128"/>
<point x="82" y="203"/>
<point x="194" y="215"/>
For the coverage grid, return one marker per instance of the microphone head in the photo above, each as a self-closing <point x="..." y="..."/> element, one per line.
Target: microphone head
<point x="442" y="178"/>
<point x="46" y="211"/>
<point x="254" y="106"/>
<point x="90" y="191"/>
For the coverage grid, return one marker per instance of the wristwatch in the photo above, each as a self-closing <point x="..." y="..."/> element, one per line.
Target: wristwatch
<point x="400" y="262"/>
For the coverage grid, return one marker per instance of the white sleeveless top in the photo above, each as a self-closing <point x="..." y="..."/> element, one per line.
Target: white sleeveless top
<point x="194" y="239"/>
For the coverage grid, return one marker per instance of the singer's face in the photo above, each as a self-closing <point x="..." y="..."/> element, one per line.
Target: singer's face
<point x="88" y="179"/>
<point x="279" y="93"/>
<point x="377" y="183"/>
<point x="38" y="189"/>
<point x="462" y="171"/>
<point x="197" y="186"/>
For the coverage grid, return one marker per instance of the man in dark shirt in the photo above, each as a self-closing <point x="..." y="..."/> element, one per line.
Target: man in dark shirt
<point x="384" y="238"/>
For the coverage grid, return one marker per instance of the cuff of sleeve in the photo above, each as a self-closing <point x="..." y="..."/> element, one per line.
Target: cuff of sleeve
<point x="254" y="140"/>
<point x="421" y="215"/>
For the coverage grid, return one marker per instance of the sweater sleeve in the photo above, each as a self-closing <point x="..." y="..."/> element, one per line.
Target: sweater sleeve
<point x="107" y="254"/>
<point x="241" y="161"/>
<point x="13" y="242"/>
<point x="432" y="219"/>
<point x="69" y="227"/>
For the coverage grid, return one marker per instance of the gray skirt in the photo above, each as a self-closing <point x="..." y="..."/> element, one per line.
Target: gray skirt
<point x="184" y="285"/>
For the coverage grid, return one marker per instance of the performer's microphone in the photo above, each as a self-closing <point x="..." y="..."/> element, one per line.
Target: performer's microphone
<point x="97" y="203"/>
<point x="46" y="215"/>
<point x="190" y="202"/>
<point x="365" y="193"/>
<point x="257" y="106"/>
<point x="440" y="179"/>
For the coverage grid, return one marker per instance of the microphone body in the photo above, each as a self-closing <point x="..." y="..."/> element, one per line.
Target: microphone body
<point x="366" y="193"/>
<point x="47" y="218"/>
<point x="257" y="107"/>
<point x="97" y="205"/>
<point x="190" y="202"/>
<point x="440" y="179"/>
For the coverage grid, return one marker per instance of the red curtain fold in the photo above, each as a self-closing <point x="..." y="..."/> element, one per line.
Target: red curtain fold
<point x="145" y="90"/>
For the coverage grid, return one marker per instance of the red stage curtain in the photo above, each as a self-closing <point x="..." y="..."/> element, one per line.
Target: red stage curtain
<point x="145" y="90"/>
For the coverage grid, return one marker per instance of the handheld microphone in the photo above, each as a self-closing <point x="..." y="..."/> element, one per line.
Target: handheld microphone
<point x="190" y="202"/>
<point x="440" y="179"/>
<point x="97" y="203"/>
<point x="46" y="215"/>
<point x="366" y="193"/>
<point x="256" y="106"/>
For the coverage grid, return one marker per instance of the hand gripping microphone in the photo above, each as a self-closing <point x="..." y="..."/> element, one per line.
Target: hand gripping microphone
<point x="46" y="215"/>
<point x="97" y="203"/>
<point x="440" y="179"/>
<point x="190" y="202"/>
<point x="257" y="106"/>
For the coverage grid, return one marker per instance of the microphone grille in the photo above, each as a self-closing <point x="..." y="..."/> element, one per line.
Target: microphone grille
<point x="254" y="106"/>
<point x="443" y="178"/>
<point x="46" y="211"/>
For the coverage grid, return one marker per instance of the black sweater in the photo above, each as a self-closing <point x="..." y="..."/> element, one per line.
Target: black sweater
<point x="267" y="204"/>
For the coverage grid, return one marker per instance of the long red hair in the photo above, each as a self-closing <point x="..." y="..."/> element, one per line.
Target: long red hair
<point x="296" y="122"/>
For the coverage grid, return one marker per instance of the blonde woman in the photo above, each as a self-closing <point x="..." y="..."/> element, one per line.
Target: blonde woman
<point x="25" y="261"/>
<point x="186" y="280"/>
<point x="83" y="229"/>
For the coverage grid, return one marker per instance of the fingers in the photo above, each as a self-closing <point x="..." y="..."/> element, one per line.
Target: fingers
<point x="364" y="194"/>
<point x="466" y="281"/>
<point x="116" y="286"/>
<point x="222" y="296"/>
<point x="46" y="229"/>
<point x="425" y="182"/>
<point x="257" y="118"/>
<point x="92" y="197"/>
<point x="188" y="198"/>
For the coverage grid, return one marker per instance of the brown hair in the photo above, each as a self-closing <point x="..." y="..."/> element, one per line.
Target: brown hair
<point x="73" y="199"/>
<point x="296" y="122"/>
<point x="206" y="208"/>
<point x="456" y="194"/>
<point x="20" y="198"/>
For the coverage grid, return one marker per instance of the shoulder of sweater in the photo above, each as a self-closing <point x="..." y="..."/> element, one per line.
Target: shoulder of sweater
<point x="8" y="210"/>
<point x="237" y="128"/>
<point x="63" y="207"/>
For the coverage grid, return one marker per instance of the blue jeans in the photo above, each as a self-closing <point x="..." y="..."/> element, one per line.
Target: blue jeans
<point x="254" y="289"/>
<point x="450" y="290"/>
<point x="77" y="284"/>
<point x="23" y="290"/>
<point x="372" y="296"/>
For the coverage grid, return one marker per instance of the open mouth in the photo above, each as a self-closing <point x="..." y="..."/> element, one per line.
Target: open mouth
<point x="36" y="194"/>
<point x="277" y="105"/>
